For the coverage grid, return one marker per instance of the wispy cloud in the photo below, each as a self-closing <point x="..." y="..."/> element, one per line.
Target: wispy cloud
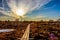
<point x="39" y="16"/>
<point x="3" y="18"/>
<point x="28" y="5"/>
<point x="39" y="4"/>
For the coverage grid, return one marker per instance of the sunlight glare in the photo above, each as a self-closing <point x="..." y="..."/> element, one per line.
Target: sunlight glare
<point x="20" y="12"/>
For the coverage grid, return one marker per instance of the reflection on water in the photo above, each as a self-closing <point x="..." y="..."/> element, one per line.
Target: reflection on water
<point x="6" y="30"/>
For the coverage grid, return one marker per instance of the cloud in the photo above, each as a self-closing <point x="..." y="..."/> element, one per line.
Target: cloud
<point x="39" y="3"/>
<point x="39" y="16"/>
<point x="28" y="5"/>
<point x="3" y="18"/>
<point x="7" y="13"/>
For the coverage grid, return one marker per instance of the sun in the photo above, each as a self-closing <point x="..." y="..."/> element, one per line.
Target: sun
<point x="20" y="12"/>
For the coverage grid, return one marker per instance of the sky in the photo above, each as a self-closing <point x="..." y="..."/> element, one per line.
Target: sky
<point x="35" y="10"/>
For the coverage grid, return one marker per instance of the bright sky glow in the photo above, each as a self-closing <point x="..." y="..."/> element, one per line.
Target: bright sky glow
<point x="20" y="12"/>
